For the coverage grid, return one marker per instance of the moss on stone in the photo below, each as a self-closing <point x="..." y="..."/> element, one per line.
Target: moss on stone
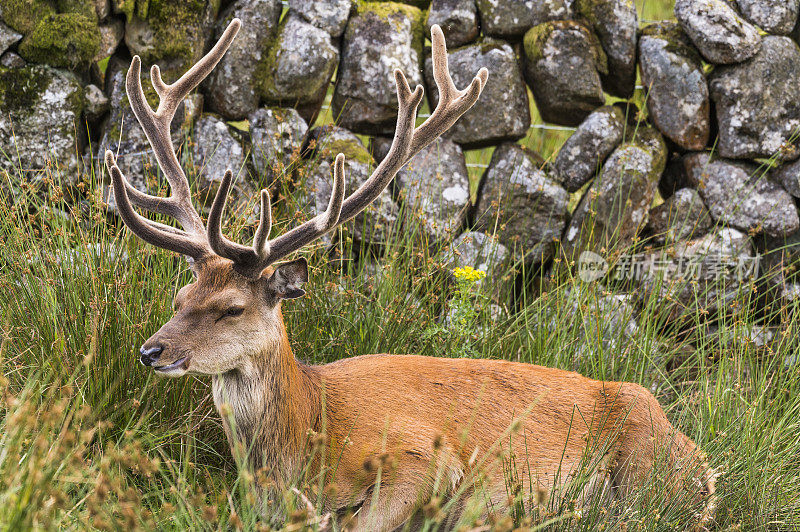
<point x="677" y="41"/>
<point x="264" y="75"/>
<point x="24" y="15"/>
<point x="389" y="11"/>
<point x="534" y="40"/>
<point x="80" y="7"/>
<point x="352" y="150"/>
<point x="67" y="40"/>
<point x="178" y="28"/>
<point x="21" y="88"/>
<point x="652" y="141"/>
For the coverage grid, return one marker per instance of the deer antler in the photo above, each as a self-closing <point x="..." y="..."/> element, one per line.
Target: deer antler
<point x="156" y="125"/>
<point x="199" y="242"/>
<point x="407" y="142"/>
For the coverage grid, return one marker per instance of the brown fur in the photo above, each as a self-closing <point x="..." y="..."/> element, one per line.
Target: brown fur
<point x="421" y="417"/>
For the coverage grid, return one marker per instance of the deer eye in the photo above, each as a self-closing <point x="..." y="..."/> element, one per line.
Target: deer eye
<point x="232" y="312"/>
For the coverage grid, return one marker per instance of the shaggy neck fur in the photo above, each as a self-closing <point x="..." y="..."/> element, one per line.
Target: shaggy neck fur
<point x="267" y="406"/>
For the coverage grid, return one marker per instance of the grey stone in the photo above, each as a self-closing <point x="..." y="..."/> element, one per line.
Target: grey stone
<point x="214" y="151"/>
<point x="739" y="195"/>
<point x="563" y="63"/>
<point x="583" y="153"/>
<point x="788" y="175"/>
<point x="616" y="24"/>
<point x="111" y="34"/>
<point x="677" y="91"/>
<point x="502" y="111"/>
<point x="520" y="203"/>
<point x="373" y="225"/>
<point x="721" y="35"/>
<point x="433" y="187"/>
<point x="8" y="37"/>
<point x="376" y="43"/>
<point x="41" y="121"/>
<point x="123" y="135"/>
<point x="616" y="205"/>
<point x="773" y="16"/>
<point x="328" y="15"/>
<point x="511" y="19"/>
<point x="96" y="102"/>
<point x="758" y="103"/>
<point x="230" y="88"/>
<point x="706" y="275"/>
<point x="682" y="216"/>
<point x="12" y="60"/>
<point x="102" y="9"/>
<point x="298" y="67"/>
<point x="608" y="322"/>
<point x="379" y="147"/>
<point x="458" y="20"/>
<point x="276" y="136"/>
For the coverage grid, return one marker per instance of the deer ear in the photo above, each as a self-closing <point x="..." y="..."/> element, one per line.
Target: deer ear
<point x="286" y="280"/>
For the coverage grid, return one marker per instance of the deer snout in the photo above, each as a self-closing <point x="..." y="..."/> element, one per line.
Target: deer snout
<point x="148" y="355"/>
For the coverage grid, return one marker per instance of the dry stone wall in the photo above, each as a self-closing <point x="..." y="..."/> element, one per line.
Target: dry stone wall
<point x="716" y="137"/>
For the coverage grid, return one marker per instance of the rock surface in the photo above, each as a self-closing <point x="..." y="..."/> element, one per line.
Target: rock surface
<point x="214" y="151"/>
<point x="563" y="63"/>
<point x="616" y="24"/>
<point x="773" y="16"/>
<point x="328" y="15"/>
<point x="707" y="274"/>
<point x="433" y="188"/>
<point x="521" y="204"/>
<point x="617" y="204"/>
<point x="458" y="20"/>
<point x="677" y="91"/>
<point x="12" y="60"/>
<point x="378" y="39"/>
<point x="298" y="68"/>
<point x="510" y="20"/>
<point x="111" y="34"/>
<point x="371" y="226"/>
<point x="41" y="121"/>
<point x="721" y="35"/>
<point x="96" y="102"/>
<point x="788" y="176"/>
<point x="230" y="88"/>
<point x="502" y="112"/>
<point x="276" y="136"/>
<point x="758" y="103"/>
<point x="739" y="195"/>
<point x="8" y="37"/>
<point x="583" y="153"/>
<point x="682" y="216"/>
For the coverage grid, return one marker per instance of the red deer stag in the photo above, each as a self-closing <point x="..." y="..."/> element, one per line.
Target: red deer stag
<point x="409" y="411"/>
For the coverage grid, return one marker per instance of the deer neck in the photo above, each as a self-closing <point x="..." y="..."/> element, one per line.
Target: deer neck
<point x="267" y="406"/>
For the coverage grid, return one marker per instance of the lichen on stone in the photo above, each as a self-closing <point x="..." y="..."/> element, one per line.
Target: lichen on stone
<point x="67" y="40"/>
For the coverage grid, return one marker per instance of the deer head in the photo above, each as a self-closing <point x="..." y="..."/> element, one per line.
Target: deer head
<point x="231" y="313"/>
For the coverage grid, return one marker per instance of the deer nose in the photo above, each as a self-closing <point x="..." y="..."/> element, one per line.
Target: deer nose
<point x="150" y="355"/>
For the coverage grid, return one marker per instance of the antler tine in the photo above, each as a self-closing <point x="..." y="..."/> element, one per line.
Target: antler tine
<point x="151" y="232"/>
<point x="156" y="126"/>
<point x="239" y="254"/>
<point x="452" y="102"/>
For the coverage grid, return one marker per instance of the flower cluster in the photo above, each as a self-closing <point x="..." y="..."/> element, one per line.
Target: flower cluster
<point x="468" y="274"/>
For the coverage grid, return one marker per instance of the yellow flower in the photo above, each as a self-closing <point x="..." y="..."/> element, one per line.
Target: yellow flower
<point x="469" y="274"/>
